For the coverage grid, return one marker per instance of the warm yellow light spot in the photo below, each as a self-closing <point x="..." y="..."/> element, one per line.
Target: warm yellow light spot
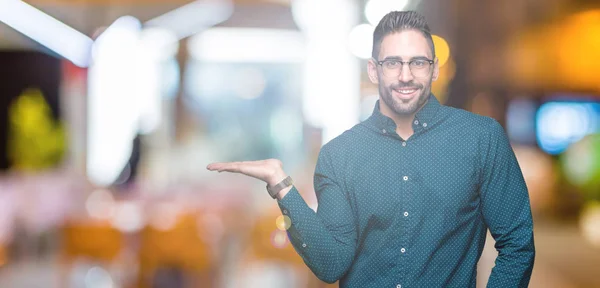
<point x="442" y="50"/>
<point x="283" y="222"/>
<point x="589" y="223"/>
<point x="577" y="46"/>
<point x="439" y="88"/>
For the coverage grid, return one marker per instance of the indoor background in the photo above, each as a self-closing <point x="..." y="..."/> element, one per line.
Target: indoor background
<point x="111" y="110"/>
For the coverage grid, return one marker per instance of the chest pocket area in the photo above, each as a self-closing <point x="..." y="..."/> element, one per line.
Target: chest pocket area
<point x="378" y="200"/>
<point x="451" y="186"/>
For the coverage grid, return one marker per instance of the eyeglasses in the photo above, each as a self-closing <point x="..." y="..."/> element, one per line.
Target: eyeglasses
<point x="419" y="67"/>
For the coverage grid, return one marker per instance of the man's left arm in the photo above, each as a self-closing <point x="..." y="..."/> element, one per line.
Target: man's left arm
<point x="506" y="210"/>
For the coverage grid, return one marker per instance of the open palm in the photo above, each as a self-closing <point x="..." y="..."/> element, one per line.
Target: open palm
<point x="269" y="170"/>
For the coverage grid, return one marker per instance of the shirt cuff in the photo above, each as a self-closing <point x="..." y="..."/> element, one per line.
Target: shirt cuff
<point x="294" y="206"/>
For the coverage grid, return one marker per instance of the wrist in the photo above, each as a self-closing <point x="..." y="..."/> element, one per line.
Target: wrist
<point x="275" y="185"/>
<point x="283" y="192"/>
<point x="276" y="178"/>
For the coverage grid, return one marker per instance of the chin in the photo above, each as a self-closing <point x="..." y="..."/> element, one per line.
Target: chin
<point x="406" y="108"/>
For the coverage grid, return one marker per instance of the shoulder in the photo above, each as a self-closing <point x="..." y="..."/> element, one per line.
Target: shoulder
<point x="340" y="144"/>
<point x="479" y="125"/>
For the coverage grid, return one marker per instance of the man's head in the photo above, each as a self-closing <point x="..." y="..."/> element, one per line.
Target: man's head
<point x="404" y="63"/>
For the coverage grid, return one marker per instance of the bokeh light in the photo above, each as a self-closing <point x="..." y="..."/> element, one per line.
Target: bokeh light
<point x="442" y="50"/>
<point x="283" y="222"/>
<point x="128" y="217"/>
<point x="439" y="88"/>
<point x="164" y="216"/>
<point x="98" y="277"/>
<point x="559" y="124"/>
<point x="279" y="239"/>
<point x="590" y="223"/>
<point x="100" y="204"/>
<point x="376" y="9"/>
<point x="578" y="60"/>
<point x="581" y="165"/>
<point x="360" y="41"/>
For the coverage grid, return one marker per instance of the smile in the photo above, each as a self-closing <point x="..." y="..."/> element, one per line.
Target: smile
<point x="406" y="91"/>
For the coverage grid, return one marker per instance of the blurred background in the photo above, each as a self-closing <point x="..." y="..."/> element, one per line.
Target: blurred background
<point x="111" y="110"/>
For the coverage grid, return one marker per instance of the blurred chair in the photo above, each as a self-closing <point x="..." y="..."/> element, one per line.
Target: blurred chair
<point x="269" y="244"/>
<point x="176" y="256"/>
<point x="97" y="241"/>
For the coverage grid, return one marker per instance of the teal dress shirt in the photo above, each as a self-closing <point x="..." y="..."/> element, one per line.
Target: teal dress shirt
<point x="414" y="212"/>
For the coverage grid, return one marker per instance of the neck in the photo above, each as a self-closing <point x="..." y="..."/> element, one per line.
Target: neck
<point x="403" y="122"/>
<point x="399" y="119"/>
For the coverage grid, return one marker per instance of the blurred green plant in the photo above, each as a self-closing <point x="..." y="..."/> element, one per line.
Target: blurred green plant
<point x="36" y="141"/>
<point x="581" y="165"/>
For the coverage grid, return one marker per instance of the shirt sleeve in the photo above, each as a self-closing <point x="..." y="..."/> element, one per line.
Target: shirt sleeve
<point x="506" y="211"/>
<point x="326" y="239"/>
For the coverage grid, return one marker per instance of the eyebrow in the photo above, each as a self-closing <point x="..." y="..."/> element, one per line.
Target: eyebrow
<point x="398" y="58"/>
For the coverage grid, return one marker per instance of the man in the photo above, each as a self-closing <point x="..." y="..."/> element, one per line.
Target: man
<point x="405" y="198"/>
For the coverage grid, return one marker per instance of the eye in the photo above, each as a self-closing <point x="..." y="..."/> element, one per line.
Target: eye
<point x="418" y="63"/>
<point x="391" y="64"/>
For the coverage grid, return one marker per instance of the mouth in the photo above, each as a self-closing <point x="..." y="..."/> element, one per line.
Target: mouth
<point x="406" y="93"/>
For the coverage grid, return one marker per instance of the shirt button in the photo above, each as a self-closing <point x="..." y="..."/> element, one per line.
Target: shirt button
<point x="403" y="143"/>
<point x="285" y="212"/>
<point x="405" y="214"/>
<point x="416" y="122"/>
<point x="405" y="178"/>
<point x="304" y="245"/>
<point x="424" y="124"/>
<point x="398" y="286"/>
<point x="402" y="250"/>
<point x="383" y="131"/>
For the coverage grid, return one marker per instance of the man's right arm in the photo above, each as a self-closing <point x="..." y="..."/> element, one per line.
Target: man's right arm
<point x="326" y="239"/>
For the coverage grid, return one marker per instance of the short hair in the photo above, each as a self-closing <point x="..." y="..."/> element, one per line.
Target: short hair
<point x="397" y="21"/>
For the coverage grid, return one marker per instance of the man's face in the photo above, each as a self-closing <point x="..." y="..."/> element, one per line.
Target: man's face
<point x="405" y="93"/>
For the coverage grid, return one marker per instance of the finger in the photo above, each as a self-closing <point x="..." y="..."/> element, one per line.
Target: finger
<point x="249" y="168"/>
<point x="217" y="166"/>
<point x="225" y="166"/>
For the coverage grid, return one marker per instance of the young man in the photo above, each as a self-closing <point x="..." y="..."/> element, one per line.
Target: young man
<point x="405" y="198"/>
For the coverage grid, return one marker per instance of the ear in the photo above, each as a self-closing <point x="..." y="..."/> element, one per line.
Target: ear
<point x="436" y="69"/>
<point x="372" y="70"/>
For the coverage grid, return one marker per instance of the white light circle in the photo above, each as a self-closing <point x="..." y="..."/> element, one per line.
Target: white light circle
<point x="360" y="41"/>
<point x="376" y="9"/>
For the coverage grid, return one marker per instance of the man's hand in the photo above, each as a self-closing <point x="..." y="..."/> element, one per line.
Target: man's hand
<point x="269" y="171"/>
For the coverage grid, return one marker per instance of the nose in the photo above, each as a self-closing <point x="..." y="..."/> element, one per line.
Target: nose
<point x="405" y="74"/>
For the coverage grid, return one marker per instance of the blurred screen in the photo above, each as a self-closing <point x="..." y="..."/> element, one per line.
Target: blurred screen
<point x="565" y="120"/>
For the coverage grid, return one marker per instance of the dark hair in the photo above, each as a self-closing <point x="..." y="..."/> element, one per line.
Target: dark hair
<point x="397" y="21"/>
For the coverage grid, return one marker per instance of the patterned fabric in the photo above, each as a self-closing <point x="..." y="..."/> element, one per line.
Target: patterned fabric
<point x="414" y="213"/>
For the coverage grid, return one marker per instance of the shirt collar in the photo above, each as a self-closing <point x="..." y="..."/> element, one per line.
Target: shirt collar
<point x="425" y="115"/>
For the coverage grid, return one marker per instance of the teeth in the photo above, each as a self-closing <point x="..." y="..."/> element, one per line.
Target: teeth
<point x="406" y="91"/>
